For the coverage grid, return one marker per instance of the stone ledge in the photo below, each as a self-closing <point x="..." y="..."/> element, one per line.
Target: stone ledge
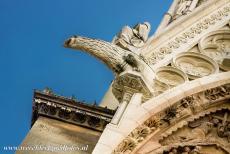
<point x="70" y="111"/>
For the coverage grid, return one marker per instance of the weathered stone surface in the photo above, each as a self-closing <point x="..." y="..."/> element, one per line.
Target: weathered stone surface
<point x="49" y="132"/>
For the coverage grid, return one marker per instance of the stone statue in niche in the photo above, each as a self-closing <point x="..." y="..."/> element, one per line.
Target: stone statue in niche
<point x="183" y="8"/>
<point x="133" y="38"/>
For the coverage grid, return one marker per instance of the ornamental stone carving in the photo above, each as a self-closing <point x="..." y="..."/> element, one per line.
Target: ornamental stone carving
<point x="194" y="149"/>
<point x="133" y="38"/>
<point x="201" y="26"/>
<point x="216" y="45"/>
<point x="70" y="111"/>
<point x="195" y="124"/>
<point x="195" y="65"/>
<point x="183" y="8"/>
<point x="171" y="76"/>
<point x="115" y="57"/>
<point x="210" y="129"/>
<point x="216" y="93"/>
<point x="131" y="83"/>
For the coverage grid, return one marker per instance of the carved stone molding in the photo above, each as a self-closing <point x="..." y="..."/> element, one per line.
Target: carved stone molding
<point x="70" y="111"/>
<point x="216" y="93"/>
<point x="216" y="45"/>
<point x="195" y="65"/>
<point x="178" y="115"/>
<point x="171" y="76"/>
<point x="196" y="30"/>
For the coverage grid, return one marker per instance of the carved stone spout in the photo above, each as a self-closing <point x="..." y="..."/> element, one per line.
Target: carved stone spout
<point x="112" y="55"/>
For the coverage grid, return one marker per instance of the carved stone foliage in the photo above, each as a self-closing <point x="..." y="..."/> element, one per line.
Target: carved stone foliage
<point x="137" y="136"/>
<point x="216" y="93"/>
<point x="185" y="7"/>
<point x="130" y="83"/>
<point x="184" y="37"/>
<point x="65" y="110"/>
<point x="216" y="45"/>
<point x="187" y="123"/>
<point x="171" y="76"/>
<point x="195" y="65"/>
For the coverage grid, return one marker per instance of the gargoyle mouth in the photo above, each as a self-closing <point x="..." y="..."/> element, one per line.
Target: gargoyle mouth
<point x="70" y="41"/>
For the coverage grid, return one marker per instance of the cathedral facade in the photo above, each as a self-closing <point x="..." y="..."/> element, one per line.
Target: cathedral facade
<point x="170" y="95"/>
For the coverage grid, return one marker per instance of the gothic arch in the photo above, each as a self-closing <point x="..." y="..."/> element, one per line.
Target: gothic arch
<point x="176" y="111"/>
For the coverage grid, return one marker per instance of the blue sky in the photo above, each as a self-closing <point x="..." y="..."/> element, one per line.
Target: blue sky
<point x="32" y="55"/>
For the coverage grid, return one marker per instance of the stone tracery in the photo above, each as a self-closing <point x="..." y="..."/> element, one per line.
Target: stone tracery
<point x="216" y="45"/>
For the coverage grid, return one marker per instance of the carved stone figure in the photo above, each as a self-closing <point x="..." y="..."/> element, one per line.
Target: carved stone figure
<point x="199" y="132"/>
<point x="196" y="150"/>
<point x="185" y="150"/>
<point x="112" y="55"/>
<point x="195" y="65"/>
<point x="183" y="7"/>
<point x="133" y="38"/>
<point x="223" y="126"/>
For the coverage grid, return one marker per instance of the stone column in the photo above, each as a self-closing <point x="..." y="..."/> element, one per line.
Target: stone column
<point x="126" y="98"/>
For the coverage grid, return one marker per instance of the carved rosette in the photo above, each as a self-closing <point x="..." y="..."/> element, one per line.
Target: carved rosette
<point x="171" y="76"/>
<point x="198" y="123"/>
<point x="195" y="65"/>
<point x="130" y="83"/>
<point x="216" y="45"/>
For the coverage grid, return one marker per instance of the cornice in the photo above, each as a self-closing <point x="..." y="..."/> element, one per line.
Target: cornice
<point x="70" y="111"/>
